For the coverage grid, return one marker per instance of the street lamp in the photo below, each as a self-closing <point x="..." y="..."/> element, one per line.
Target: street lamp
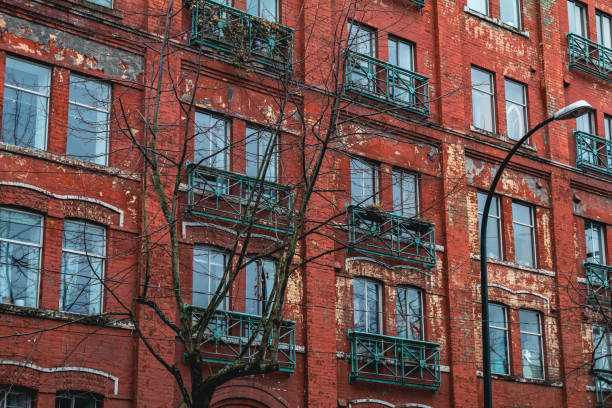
<point x="574" y="110"/>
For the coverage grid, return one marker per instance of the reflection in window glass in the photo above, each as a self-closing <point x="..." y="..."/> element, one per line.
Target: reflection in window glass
<point x="366" y="303"/>
<point x="208" y="268"/>
<point x="494" y="248"/>
<point x="257" y="141"/>
<point x="88" y="113"/>
<point x="524" y="239"/>
<point x="260" y="281"/>
<point x="516" y="109"/>
<point x="409" y="313"/>
<point x="594" y="237"/>
<point x="405" y="196"/>
<point x="531" y="344"/>
<point x="604" y="29"/>
<point x="74" y="399"/>
<point x="483" y="99"/>
<point x="20" y="247"/>
<point x="364" y="183"/>
<point x="25" y="107"/>
<point x="510" y="12"/>
<point x="577" y="18"/>
<point x="498" y="332"/>
<point x="267" y="9"/>
<point x="481" y="6"/>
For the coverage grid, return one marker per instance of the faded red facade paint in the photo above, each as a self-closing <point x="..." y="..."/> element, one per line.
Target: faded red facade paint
<point x="452" y="159"/>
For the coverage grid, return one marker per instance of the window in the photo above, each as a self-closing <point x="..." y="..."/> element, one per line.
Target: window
<point x="366" y="304"/>
<point x="594" y="237"/>
<point x="267" y="9"/>
<point x="20" y="248"/>
<point x="364" y="183"/>
<point x="210" y="141"/>
<point x="516" y="109"/>
<point x="577" y="18"/>
<point x="604" y="29"/>
<point x="260" y="280"/>
<point x="26" y="104"/>
<point x="483" y="95"/>
<point x="498" y="332"/>
<point x="494" y="247"/>
<point x="409" y="313"/>
<point x="602" y="342"/>
<point x="531" y="344"/>
<point x="401" y="54"/>
<point x="361" y="40"/>
<point x="481" y="6"/>
<point x="608" y="131"/>
<point x="405" y="193"/>
<point x="72" y="399"/>
<point x="586" y="123"/>
<point x="524" y="239"/>
<point x="83" y="256"/>
<point x="13" y="397"/>
<point x="258" y="142"/>
<point x="208" y="269"/>
<point x="88" y="113"/>
<point x="104" y="3"/>
<point x="588" y="148"/>
<point x="510" y="12"/>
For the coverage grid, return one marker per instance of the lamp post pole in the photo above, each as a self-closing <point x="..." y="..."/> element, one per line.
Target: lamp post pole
<point x="572" y="111"/>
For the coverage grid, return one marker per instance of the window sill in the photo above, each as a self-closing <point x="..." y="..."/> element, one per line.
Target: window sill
<point x="65" y="160"/>
<point x="87" y="6"/>
<point x="496" y="22"/>
<point x="514" y="378"/>
<point x="94" y="320"/>
<point x="514" y="265"/>
<point x="501" y="137"/>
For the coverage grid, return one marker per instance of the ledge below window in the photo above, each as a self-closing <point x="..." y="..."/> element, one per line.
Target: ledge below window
<point x="514" y="378"/>
<point x="496" y="22"/>
<point x="501" y="137"/>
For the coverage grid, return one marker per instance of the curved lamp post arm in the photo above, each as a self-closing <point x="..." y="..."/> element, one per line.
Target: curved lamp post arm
<point x="484" y="285"/>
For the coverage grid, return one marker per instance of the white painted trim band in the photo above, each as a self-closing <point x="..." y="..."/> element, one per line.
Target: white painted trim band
<point x="520" y="292"/>
<point x="61" y="369"/>
<point x="66" y="197"/>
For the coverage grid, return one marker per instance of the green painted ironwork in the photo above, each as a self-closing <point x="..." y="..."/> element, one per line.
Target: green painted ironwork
<point x="589" y="56"/>
<point x="394" y="360"/>
<point x="603" y="388"/>
<point x="392" y="236"/>
<point x="227" y="334"/>
<point x="230" y="196"/>
<point x="420" y="3"/>
<point x="381" y="81"/>
<point x="243" y="35"/>
<point x="598" y="282"/>
<point x="593" y="152"/>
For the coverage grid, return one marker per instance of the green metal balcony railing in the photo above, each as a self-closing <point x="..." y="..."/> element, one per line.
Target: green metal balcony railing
<point x="589" y="56"/>
<point x="392" y="236"/>
<point x="394" y="360"/>
<point x="227" y="335"/>
<point x="603" y="388"/>
<point x="381" y="81"/>
<point x="420" y="3"/>
<point x="231" y="197"/>
<point x="243" y="35"/>
<point x="593" y="152"/>
<point x="598" y="282"/>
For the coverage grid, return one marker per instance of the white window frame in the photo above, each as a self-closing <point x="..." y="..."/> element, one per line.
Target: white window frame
<point x="495" y="201"/>
<point x="107" y="111"/>
<point x="39" y="246"/>
<point x="47" y="96"/>
<point x="102" y="257"/>
<point x="379" y="313"/>
<point x="532" y="229"/>
<point x="505" y="330"/>
<point x="522" y="106"/>
<point x="540" y="335"/>
<point x="490" y="94"/>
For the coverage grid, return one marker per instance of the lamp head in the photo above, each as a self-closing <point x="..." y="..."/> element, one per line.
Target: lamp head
<point x="572" y="111"/>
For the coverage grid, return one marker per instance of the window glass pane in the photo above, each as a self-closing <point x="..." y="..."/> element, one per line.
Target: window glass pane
<point x="493" y="225"/>
<point x="20" y="226"/>
<point x="104" y="3"/>
<point x="499" y="339"/>
<point x="260" y="281"/>
<point x="604" y="28"/>
<point x="363" y="183"/>
<point x="601" y="342"/>
<point x="482" y="100"/>
<point x="576" y="18"/>
<point x="523" y="235"/>
<point x="84" y="237"/>
<point x="208" y="268"/>
<point x="210" y="141"/>
<point x="405" y="202"/>
<point x="256" y="145"/>
<point x="268" y="10"/>
<point x="359" y="305"/>
<point x="409" y="313"/>
<point x="510" y="12"/>
<point x="366" y="306"/>
<point x="594" y="242"/>
<point x="608" y="132"/>
<point x="530" y="321"/>
<point x="372" y="307"/>
<point x="393" y="52"/>
<point x="516" y="109"/>
<point x="532" y="356"/>
<point x="584" y="123"/>
<point x="94" y="94"/>
<point x="15" y="400"/>
<point x="24" y="113"/>
<point x="361" y="39"/>
<point x="521" y="213"/>
<point x="481" y="6"/>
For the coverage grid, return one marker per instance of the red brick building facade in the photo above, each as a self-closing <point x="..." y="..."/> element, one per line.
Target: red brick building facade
<point x="434" y="94"/>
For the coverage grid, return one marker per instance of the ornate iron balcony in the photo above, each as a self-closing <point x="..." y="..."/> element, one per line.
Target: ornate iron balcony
<point x="227" y="335"/>
<point x="381" y="81"/>
<point x="394" y="360"/>
<point x="603" y="388"/>
<point x="593" y="152"/>
<point x="246" y="37"/>
<point x="589" y="56"/>
<point x="420" y="3"/>
<point x="231" y="197"/>
<point x="598" y="282"/>
<point x="392" y="236"/>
